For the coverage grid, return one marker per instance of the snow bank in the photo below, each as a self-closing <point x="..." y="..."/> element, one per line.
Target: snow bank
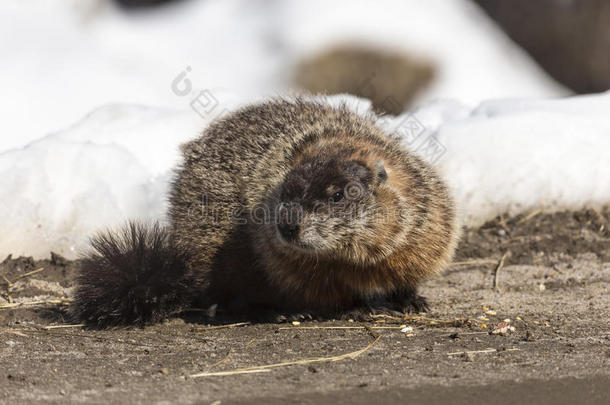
<point x="63" y="58"/>
<point x="113" y="165"/>
<point x="518" y="156"/>
<point x="502" y="156"/>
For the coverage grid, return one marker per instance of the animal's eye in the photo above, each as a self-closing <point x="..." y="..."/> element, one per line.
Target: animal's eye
<point x="338" y="196"/>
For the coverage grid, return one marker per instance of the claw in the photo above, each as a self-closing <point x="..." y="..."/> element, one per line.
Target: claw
<point x="416" y="305"/>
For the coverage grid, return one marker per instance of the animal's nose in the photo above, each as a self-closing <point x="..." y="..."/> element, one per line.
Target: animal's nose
<point x="288" y="231"/>
<point x="289" y="219"/>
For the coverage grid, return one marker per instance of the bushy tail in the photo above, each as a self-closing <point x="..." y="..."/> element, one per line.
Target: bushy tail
<point x="134" y="276"/>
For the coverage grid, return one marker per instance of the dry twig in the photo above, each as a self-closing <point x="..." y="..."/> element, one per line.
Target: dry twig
<point x="222" y="360"/>
<point x="36" y="303"/>
<point x="263" y="368"/>
<point x="233" y="372"/>
<point x="231" y="325"/>
<point x="490" y="350"/>
<point x="341" y="327"/>
<point x="78" y="325"/>
<point x="28" y="274"/>
<point x="497" y="270"/>
<point x="7" y="281"/>
<point x="528" y="217"/>
<point x="474" y="261"/>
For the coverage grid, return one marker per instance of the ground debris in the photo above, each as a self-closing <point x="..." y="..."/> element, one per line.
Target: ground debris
<point x="561" y="334"/>
<point x="503" y="328"/>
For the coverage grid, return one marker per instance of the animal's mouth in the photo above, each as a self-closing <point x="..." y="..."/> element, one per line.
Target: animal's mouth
<point x="297" y="244"/>
<point x="294" y="243"/>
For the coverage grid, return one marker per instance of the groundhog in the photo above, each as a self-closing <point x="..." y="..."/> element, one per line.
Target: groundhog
<point x="285" y="207"/>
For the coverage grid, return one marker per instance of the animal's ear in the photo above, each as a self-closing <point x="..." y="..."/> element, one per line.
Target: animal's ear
<point x="358" y="171"/>
<point x="380" y="174"/>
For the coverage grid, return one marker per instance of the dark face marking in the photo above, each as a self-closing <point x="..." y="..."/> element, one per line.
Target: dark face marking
<point x="323" y="180"/>
<point x="318" y="198"/>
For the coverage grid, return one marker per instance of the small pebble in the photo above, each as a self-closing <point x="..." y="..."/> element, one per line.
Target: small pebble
<point x="503" y="328"/>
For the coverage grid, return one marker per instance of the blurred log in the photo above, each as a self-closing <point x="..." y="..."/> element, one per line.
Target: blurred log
<point x="391" y="80"/>
<point x="570" y="39"/>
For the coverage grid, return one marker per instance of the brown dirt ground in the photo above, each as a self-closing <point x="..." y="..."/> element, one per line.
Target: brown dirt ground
<point x="553" y="286"/>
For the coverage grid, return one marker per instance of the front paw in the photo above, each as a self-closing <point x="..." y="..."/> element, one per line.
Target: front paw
<point x="367" y="313"/>
<point x="403" y="302"/>
<point x="414" y="304"/>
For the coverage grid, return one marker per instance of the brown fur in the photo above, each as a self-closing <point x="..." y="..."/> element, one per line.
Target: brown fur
<point x="251" y="163"/>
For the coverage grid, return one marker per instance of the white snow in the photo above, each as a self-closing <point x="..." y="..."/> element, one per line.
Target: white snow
<point x="64" y="58"/>
<point x="113" y="165"/>
<point x="521" y="155"/>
